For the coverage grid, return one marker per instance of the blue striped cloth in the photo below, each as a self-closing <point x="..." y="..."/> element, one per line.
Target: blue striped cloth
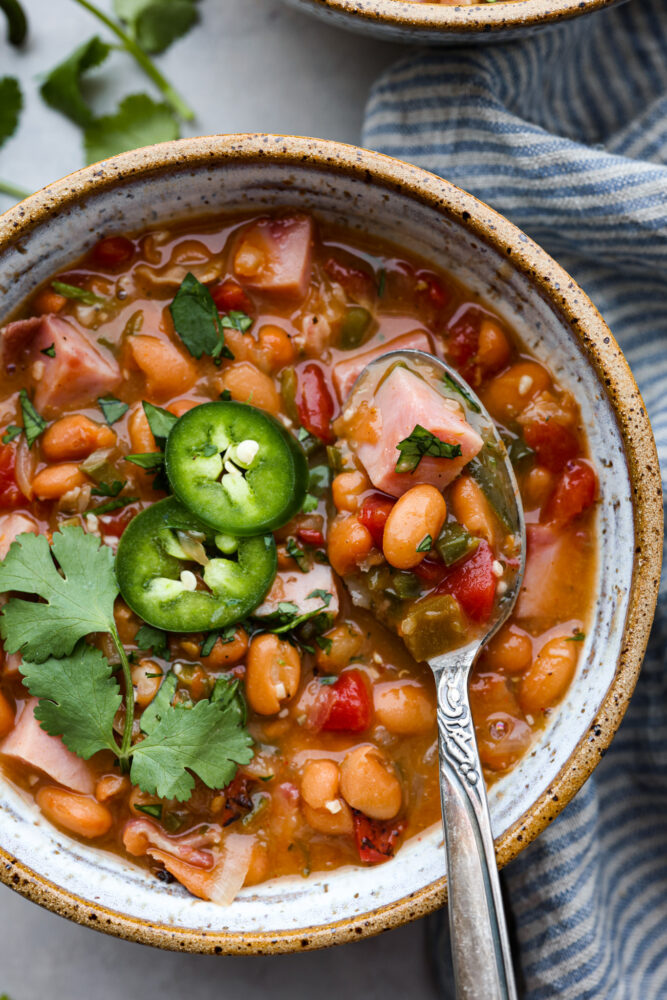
<point x="566" y="134"/>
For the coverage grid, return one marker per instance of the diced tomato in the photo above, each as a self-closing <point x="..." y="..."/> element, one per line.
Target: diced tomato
<point x="553" y="443"/>
<point x="113" y="251"/>
<point x="376" y="839"/>
<point x="349" y="704"/>
<point x="463" y="339"/>
<point x="314" y="402"/>
<point x="310" y="537"/>
<point x="115" y="522"/>
<point x="229" y="296"/>
<point x="435" y="292"/>
<point x="373" y="515"/>
<point x="574" y="493"/>
<point x="358" y="284"/>
<point x="10" y="494"/>
<point x="473" y="584"/>
<point x="237" y="800"/>
<point x="430" y="571"/>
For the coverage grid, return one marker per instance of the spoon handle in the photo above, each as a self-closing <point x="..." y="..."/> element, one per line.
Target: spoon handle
<point x="480" y="945"/>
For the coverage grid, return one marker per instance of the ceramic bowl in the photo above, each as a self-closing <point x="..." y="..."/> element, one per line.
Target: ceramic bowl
<point x="442" y="24"/>
<point x="422" y="213"/>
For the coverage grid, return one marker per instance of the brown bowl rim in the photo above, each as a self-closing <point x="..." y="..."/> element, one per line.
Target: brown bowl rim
<point x="440" y="19"/>
<point x="616" y="380"/>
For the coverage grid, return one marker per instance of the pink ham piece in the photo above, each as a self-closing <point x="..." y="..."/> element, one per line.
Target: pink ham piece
<point x="11" y="526"/>
<point x="77" y="372"/>
<point x="29" y="743"/>
<point x="294" y="586"/>
<point x="555" y="563"/>
<point x="403" y="401"/>
<point x="140" y="836"/>
<point x="346" y="373"/>
<point x="275" y="255"/>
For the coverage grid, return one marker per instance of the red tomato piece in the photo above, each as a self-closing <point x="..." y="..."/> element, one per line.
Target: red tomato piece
<point x="310" y="537"/>
<point x="430" y="571"/>
<point x="349" y="704"/>
<point x="237" y="800"/>
<point x="553" y="443"/>
<point x="229" y="297"/>
<point x="373" y="515"/>
<point x="376" y="839"/>
<point x="463" y="339"/>
<point x="358" y="284"/>
<point x="315" y="403"/>
<point x="115" y="522"/>
<point x="473" y="584"/>
<point x="575" y="492"/>
<point x="10" y="494"/>
<point x="113" y="251"/>
<point x="435" y="292"/>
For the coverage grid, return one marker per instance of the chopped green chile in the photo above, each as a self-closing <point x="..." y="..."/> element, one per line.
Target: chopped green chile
<point x="356" y="323"/>
<point x="236" y="467"/>
<point x="454" y="542"/>
<point x="156" y="571"/>
<point x="430" y="625"/>
<point x="288" y="387"/>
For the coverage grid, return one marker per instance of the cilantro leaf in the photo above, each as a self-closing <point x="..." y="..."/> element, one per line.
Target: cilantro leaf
<point x="62" y="87"/>
<point x="79" y="294"/>
<point x="77" y="603"/>
<point x="419" y="443"/>
<point x="117" y="504"/>
<point x="17" y="23"/>
<point x="236" y="320"/>
<point x="138" y="121"/>
<point x="226" y="635"/>
<point x="152" y="638"/>
<point x="108" y="489"/>
<point x="33" y="423"/>
<point x="13" y="431"/>
<point x="112" y="408"/>
<point x="196" y="318"/>
<point x="298" y="555"/>
<point x="310" y="502"/>
<point x="160" y="421"/>
<point x="147" y="460"/>
<point x="426" y="544"/>
<point x="79" y="699"/>
<point x="451" y="384"/>
<point x="324" y="595"/>
<point x="153" y="713"/>
<point x="11" y="103"/>
<point x="50" y="351"/>
<point x="155" y="24"/>
<point x="205" y="739"/>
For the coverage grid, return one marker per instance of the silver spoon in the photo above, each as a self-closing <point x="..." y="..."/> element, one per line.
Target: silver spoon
<point x="480" y="944"/>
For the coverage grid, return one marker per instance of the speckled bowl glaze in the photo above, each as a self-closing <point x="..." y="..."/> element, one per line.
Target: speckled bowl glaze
<point x="442" y="24"/>
<point x="427" y="215"/>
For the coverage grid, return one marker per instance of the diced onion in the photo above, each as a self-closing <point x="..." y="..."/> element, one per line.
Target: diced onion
<point x="231" y="872"/>
<point x="24" y="469"/>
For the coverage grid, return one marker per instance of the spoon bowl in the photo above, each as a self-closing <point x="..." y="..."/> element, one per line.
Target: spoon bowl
<point x="480" y="944"/>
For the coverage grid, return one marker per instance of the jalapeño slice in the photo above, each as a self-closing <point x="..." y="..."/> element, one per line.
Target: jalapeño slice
<point x="236" y="467"/>
<point x="165" y="554"/>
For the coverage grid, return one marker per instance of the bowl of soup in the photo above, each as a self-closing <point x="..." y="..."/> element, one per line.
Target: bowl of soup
<point x="425" y="22"/>
<point x="206" y="742"/>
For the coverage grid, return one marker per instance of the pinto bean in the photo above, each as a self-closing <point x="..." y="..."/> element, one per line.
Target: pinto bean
<point x="348" y="544"/>
<point x="347" y="489"/>
<point x="473" y="510"/>
<point x="273" y="349"/>
<point x="508" y="394"/>
<point x="493" y="351"/>
<point x="273" y="673"/>
<point x="57" y="480"/>
<point x="247" y="384"/>
<point x="74" y="438"/>
<point x="146" y="678"/>
<point x="549" y="677"/>
<point x="344" y="642"/>
<point x="319" y="783"/>
<point x="368" y="783"/>
<point x="404" y="708"/>
<point x="168" y="372"/>
<point x="418" y="513"/>
<point x="510" y="651"/>
<point x="77" y="813"/>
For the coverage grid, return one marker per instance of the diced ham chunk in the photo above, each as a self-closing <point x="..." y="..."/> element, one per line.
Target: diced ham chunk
<point x="555" y="564"/>
<point x="140" y="836"/>
<point x="77" y="372"/>
<point x="275" y="255"/>
<point x="11" y="526"/>
<point x="345" y="373"/>
<point x="403" y="401"/>
<point x="29" y="743"/>
<point x="295" y="586"/>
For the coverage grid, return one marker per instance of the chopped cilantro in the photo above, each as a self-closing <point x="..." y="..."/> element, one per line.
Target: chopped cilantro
<point x="108" y="489"/>
<point x="113" y="409"/>
<point x="421" y="443"/>
<point x="236" y="320"/>
<point x="426" y="544"/>
<point x="153" y="809"/>
<point x="80" y="294"/>
<point x="456" y="387"/>
<point x="12" y="432"/>
<point x="150" y="460"/>
<point x="298" y="555"/>
<point x="196" y="318"/>
<point x="33" y="423"/>
<point x="117" y="504"/>
<point x="49" y="351"/>
<point x="226" y="635"/>
<point x="160" y="421"/>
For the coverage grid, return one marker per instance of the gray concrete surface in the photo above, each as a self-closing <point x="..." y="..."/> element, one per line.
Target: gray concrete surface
<point x="252" y="65"/>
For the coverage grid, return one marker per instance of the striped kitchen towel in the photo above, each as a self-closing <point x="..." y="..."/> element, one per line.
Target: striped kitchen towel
<point x="566" y="134"/>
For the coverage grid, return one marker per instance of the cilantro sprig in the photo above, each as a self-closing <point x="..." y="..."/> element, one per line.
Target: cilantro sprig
<point x="79" y="695"/>
<point x="197" y="321"/>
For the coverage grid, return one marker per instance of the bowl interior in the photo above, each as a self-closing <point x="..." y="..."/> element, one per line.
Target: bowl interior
<point x="289" y="908"/>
